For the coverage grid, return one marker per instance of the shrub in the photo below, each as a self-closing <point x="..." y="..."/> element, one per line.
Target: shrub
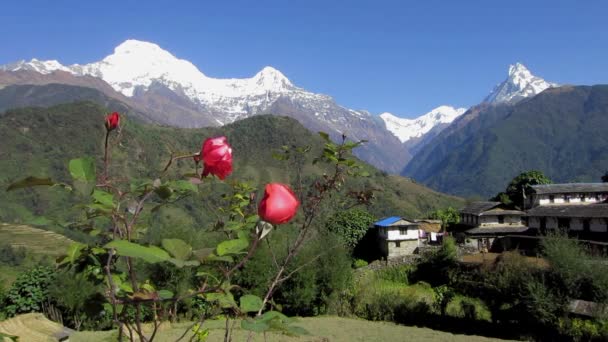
<point x="76" y="296"/>
<point x="358" y="263"/>
<point x="29" y="291"/>
<point x="469" y="308"/>
<point x="12" y="256"/>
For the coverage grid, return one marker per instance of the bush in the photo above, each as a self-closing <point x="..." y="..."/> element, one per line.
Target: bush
<point x="77" y="297"/>
<point x="358" y="263"/>
<point x="29" y="291"/>
<point x="398" y="274"/>
<point x="469" y="308"/>
<point x="12" y="256"/>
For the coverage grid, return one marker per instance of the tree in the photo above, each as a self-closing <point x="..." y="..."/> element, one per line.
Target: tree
<point x="521" y="186"/>
<point x="605" y="177"/>
<point x="350" y="225"/>
<point x="447" y="216"/>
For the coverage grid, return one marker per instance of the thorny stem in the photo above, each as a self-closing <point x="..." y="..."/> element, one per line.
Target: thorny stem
<point x="106" y="160"/>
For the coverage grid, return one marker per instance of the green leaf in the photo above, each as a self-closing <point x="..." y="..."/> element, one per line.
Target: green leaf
<point x="254" y="325"/>
<point x="182" y="185"/>
<point x="150" y="254"/>
<point x="224" y="258"/>
<point x="177" y="248"/>
<point x="325" y="136"/>
<point x="181" y="263"/>
<point x="103" y="197"/>
<point x="165" y="294"/>
<point x="232" y="246"/>
<point x="73" y="252"/>
<point x="30" y="182"/>
<point x="82" y="169"/>
<point x="225" y="300"/>
<point x="84" y="188"/>
<point x="164" y="192"/>
<point x="271" y="315"/>
<point x="251" y="303"/>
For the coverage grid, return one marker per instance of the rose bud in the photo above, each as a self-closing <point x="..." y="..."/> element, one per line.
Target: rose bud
<point x="279" y="204"/>
<point x="217" y="157"/>
<point x="112" y="121"/>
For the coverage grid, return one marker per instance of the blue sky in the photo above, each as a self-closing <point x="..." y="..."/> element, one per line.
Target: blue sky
<point x="404" y="57"/>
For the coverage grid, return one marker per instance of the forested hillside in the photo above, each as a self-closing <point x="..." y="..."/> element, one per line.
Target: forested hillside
<point x="560" y="132"/>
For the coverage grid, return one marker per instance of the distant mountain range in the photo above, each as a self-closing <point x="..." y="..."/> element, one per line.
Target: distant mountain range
<point x="561" y="132"/>
<point x="164" y="89"/>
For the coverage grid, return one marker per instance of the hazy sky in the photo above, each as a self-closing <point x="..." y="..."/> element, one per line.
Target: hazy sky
<point x="404" y="57"/>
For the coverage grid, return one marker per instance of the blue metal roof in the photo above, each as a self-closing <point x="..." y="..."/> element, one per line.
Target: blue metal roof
<point x="386" y="222"/>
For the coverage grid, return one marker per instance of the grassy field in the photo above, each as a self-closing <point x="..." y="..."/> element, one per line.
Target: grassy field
<point x="36" y="241"/>
<point x="329" y="328"/>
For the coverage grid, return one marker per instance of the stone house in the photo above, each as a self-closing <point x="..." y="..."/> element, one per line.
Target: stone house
<point x="489" y="221"/>
<point x="398" y="236"/>
<point x="575" y="207"/>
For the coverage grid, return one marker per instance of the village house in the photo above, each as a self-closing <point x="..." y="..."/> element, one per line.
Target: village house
<point x="489" y="221"/>
<point x="574" y="207"/>
<point x="398" y="236"/>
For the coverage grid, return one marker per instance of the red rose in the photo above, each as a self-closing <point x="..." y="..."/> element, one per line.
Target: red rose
<point x="112" y="121"/>
<point x="279" y="204"/>
<point x="217" y="157"/>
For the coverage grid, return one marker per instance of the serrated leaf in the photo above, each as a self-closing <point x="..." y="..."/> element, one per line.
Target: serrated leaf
<point x="28" y="182"/>
<point x="151" y="254"/>
<point x="231" y="246"/>
<point x="225" y="300"/>
<point x="82" y="169"/>
<point x="251" y="303"/>
<point x="177" y="248"/>
<point x="103" y="198"/>
<point x="165" y="294"/>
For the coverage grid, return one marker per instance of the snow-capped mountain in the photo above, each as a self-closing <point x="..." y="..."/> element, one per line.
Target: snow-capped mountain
<point x="173" y="91"/>
<point x="136" y="66"/>
<point x="407" y="129"/>
<point x="519" y="84"/>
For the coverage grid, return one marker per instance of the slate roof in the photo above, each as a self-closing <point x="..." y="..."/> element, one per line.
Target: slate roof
<point x="570" y="188"/>
<point x="498" y="211"/>
<point x="598" y="210"/>
<point x="496" y="229"/>
<point x="476" y="208"/>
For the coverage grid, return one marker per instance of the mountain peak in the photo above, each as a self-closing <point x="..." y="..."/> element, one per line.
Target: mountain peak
<point x="520" y="83"/>
<point x="406" y="129"/>
<point x="134" y="45"/>
<point x="271" y="78"/>
<point x="518" y="68"/>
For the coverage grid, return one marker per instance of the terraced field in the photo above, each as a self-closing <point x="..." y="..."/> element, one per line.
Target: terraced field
<point x="35" y="240"/>
<point x="34" y="327"/>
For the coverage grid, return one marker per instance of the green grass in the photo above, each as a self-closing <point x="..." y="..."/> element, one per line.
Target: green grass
<point x="328" y="328"/>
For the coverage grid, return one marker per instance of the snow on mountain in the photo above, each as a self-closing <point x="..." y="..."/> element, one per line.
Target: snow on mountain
<point x="136" y="65"/>
<point x="406" y="129"/>
<point x="519" y="84"/>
